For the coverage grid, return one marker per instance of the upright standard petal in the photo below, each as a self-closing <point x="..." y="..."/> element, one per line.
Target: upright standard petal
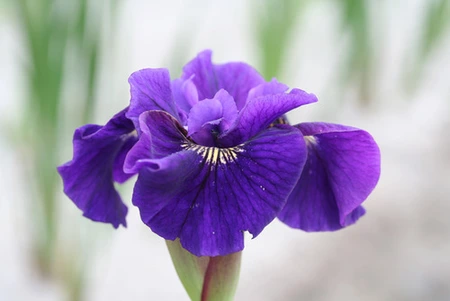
<point x="342" y="169"/>
<point x="208" y="196"/>
<point x="97" y="158"/>
<point x="201" y="71"/>
<point x="259" y="112"/>
<point x="185" y="95"/>
<point x="237" y="79"/>
<point x="150" y="89"/>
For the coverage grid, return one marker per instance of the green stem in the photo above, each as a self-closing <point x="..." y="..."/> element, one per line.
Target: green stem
<point x="190" y="269"/>
<point x="206" y="278"/>
<point x="221" y="278"/>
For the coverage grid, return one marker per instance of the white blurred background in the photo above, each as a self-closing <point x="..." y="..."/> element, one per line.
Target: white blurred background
<point x="383" y="66"/>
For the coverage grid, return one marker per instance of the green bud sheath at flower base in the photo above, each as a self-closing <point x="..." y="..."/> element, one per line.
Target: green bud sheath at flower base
<point x="206" y="278"/>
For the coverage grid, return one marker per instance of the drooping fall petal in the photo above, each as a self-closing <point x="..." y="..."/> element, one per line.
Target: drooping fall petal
<point x="342" y="169"/>
<point x="208" y="196"/>
<point x="97" y="158"/>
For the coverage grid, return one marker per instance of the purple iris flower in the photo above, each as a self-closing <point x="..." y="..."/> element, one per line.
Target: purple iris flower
<point x="215" y="157"/>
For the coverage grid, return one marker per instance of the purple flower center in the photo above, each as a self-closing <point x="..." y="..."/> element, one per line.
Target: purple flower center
<point x="210" y="118"/>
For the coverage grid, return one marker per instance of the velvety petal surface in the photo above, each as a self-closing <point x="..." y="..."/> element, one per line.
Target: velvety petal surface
<point x="259" y="112"/>
<point x="88" y="177"/>
<point x="201" y="71"/>
<point x="342" y="169"/>
<point x="270" y="88"/>
<point x="209" y="117"/>
<point x="161" y="135"/>
<point x="150" y="89"/>
<point x="203" y="118"/>
<point x="209" y="196"/>
<point x="229" y="109"/>
<point x="119" y="175"/>
<point x="237" y="79"/>
<point x="185" y="94"/>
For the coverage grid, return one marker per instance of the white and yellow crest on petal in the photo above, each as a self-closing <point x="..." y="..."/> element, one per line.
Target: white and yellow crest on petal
<point x="215" y="155"/>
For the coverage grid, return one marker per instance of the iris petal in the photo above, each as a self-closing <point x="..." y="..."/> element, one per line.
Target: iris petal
<point x="211" y="115"/>
<point x="185" y="95"/>
<point x="270" y="88"/>
<point x="150" y="89"/>
<point x="209" y="196"/>
<point x="259" y="112"/>
<point x="161" y="135"/>
<point x="237" y="79"/>
<point x="203" y="117"/>
<point x="88" y="178"/>
<point x="201" y="71"/>
<point x="119" y="175"/>
<point x="342" y="169"/>
<point x="229" y="109"/>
